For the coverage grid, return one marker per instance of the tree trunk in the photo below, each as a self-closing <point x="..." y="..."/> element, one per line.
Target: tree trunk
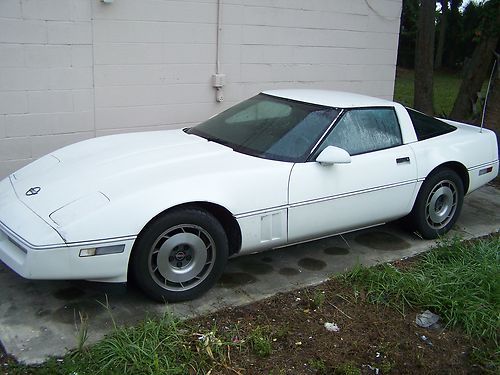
<point x="477" y="71"/>
<point x="472" y="82"/>
<point x="492" y="115"/>
<point x="442" y="34"/>
<point x="424" y="57"/>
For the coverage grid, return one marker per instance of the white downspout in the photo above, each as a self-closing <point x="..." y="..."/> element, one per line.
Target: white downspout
<point x="218" y="78"/>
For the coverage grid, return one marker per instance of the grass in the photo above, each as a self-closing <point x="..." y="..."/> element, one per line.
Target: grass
<point x="457" y="280"/>
<point x="446" y="86"/>
<point x="156" y="346"/>
<point x="260" y="341"/>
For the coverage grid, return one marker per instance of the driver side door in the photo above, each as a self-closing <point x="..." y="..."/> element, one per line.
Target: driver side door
<point x="375" y="187"/>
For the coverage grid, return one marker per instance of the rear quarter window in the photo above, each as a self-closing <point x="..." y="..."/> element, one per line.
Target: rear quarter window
<point x="427" y="127"/>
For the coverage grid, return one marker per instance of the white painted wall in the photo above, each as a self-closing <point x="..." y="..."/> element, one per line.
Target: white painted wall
<point x="75" y="69"/>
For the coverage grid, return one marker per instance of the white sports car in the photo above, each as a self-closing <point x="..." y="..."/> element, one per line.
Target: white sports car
<point x="168" y="208"/>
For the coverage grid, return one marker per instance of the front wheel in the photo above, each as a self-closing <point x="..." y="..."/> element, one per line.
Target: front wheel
<point x="180" y="255"/>
<point x="438" y="204"/>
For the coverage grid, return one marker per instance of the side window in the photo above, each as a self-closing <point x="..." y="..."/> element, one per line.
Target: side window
<point x="427" y="127"/>
<point x="364" y="130"/>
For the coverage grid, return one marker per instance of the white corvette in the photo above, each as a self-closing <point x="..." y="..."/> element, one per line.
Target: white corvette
<point x="168" y="208"/>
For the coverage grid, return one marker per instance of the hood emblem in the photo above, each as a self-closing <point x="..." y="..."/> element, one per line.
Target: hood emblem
<point x="33" y="191"/>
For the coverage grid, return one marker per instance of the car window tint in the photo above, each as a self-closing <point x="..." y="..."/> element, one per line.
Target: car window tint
<point x="260" y="111"/>
<point x="269" y="127"/>
<point x="364" y="130"/>
<point x="428" y="127"/>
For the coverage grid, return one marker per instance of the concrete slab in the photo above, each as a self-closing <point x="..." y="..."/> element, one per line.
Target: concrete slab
<point x="39" y="319"/>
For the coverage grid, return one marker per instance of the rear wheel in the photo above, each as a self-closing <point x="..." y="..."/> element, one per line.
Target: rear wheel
<point x="180" y="255"/>
<point x="438" y="204"/>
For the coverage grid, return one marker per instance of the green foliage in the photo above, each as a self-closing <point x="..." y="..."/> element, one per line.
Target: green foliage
<point x="260" y="341"/>
<point x="82" y="331"/>
<point x="315" y="299"/>
<point x="457" y="280"/>
<point x="465" y="27"/>
<point x="155" y="346"/>
<point x="347" y="368"/>
<point x="446" y="86"/>
<point x="318" y="365"/>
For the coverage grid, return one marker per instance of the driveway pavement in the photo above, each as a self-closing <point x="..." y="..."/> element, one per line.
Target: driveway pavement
<point x="40" y="318"/>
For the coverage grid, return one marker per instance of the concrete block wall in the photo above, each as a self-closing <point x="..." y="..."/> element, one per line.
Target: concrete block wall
<point x="75" y="69"/>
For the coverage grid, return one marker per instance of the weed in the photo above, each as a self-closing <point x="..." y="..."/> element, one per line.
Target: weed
<point x="318" y="299"/>
<point x="259" y="340"/>
<point x="386" y="366"/>
<point x="82" y="331"/>
<point x="318" y="365"/>
<point x="277" y="372"/>
<point x="281" y="332"/>
<point x="347" y="368"/>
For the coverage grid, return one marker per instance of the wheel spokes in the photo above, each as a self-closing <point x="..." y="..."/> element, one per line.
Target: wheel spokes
<point x="182" y="257"/>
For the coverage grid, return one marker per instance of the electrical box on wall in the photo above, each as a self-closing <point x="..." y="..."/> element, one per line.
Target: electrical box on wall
<point x="219" y="80"/>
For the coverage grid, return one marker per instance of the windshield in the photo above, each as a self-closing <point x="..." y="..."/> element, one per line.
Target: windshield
<point x="269" y="127"/>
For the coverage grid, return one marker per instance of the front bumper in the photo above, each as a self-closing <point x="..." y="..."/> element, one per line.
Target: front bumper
<point x="34" y="250"/>
<point x="65" y="262"/>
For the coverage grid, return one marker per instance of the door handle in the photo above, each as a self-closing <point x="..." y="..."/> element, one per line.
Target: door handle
<point x="406" y="159"/>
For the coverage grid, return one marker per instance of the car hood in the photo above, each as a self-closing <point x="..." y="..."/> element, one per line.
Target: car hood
<point x="90" y="174"/>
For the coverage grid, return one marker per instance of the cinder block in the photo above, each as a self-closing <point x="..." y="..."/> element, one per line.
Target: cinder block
<point x="133" y="117"/>
<point x="382" y="40"/>
<point x="10" y="9"/>
<point x="50" y="101"/>
<point x="46" y="9"/>
<point x="129" y="96"/>
<point x="29" y="124"/>
<point x="22" y="31"/>
<point x="81" y="10"/>
<point x="60" y="32"/>
<point x="15" y="148"/>
<point x="341" y="6"/>
<point x="158" y="74"/>
<point x="303" y="18"/>
<point x="128" y="53"/>
<point x="383" y="24"/>
<point x="75" y="122"/>
<point x="24" y="78"/>
<point x="48" y="123"/>
<point x="45" y="144"/>
<point x="47" y="55"/>
<point x="81" y="55"/>
<point x="108" y="31"/>
<point x="13" y="102"/>
<point x="151" y="10"/>
<point x="193" y="53"/>
<point x="11" y="55"/>
<point x="2" y="126"/>
<point x="9" y="166"/>
<point x="70" y="78"/>
<point x="83" y="100"/>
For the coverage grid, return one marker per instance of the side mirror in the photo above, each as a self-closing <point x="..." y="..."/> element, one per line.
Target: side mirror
<point x="333" y="155"/>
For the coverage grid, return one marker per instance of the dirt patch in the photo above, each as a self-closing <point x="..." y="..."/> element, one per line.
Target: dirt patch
<point x="295" y="340"/>
<point x="370" y="336"/>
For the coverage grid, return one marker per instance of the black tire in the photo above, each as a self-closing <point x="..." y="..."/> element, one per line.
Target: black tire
<point x="438" y="204"/>
<point x="179" y="255"/>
